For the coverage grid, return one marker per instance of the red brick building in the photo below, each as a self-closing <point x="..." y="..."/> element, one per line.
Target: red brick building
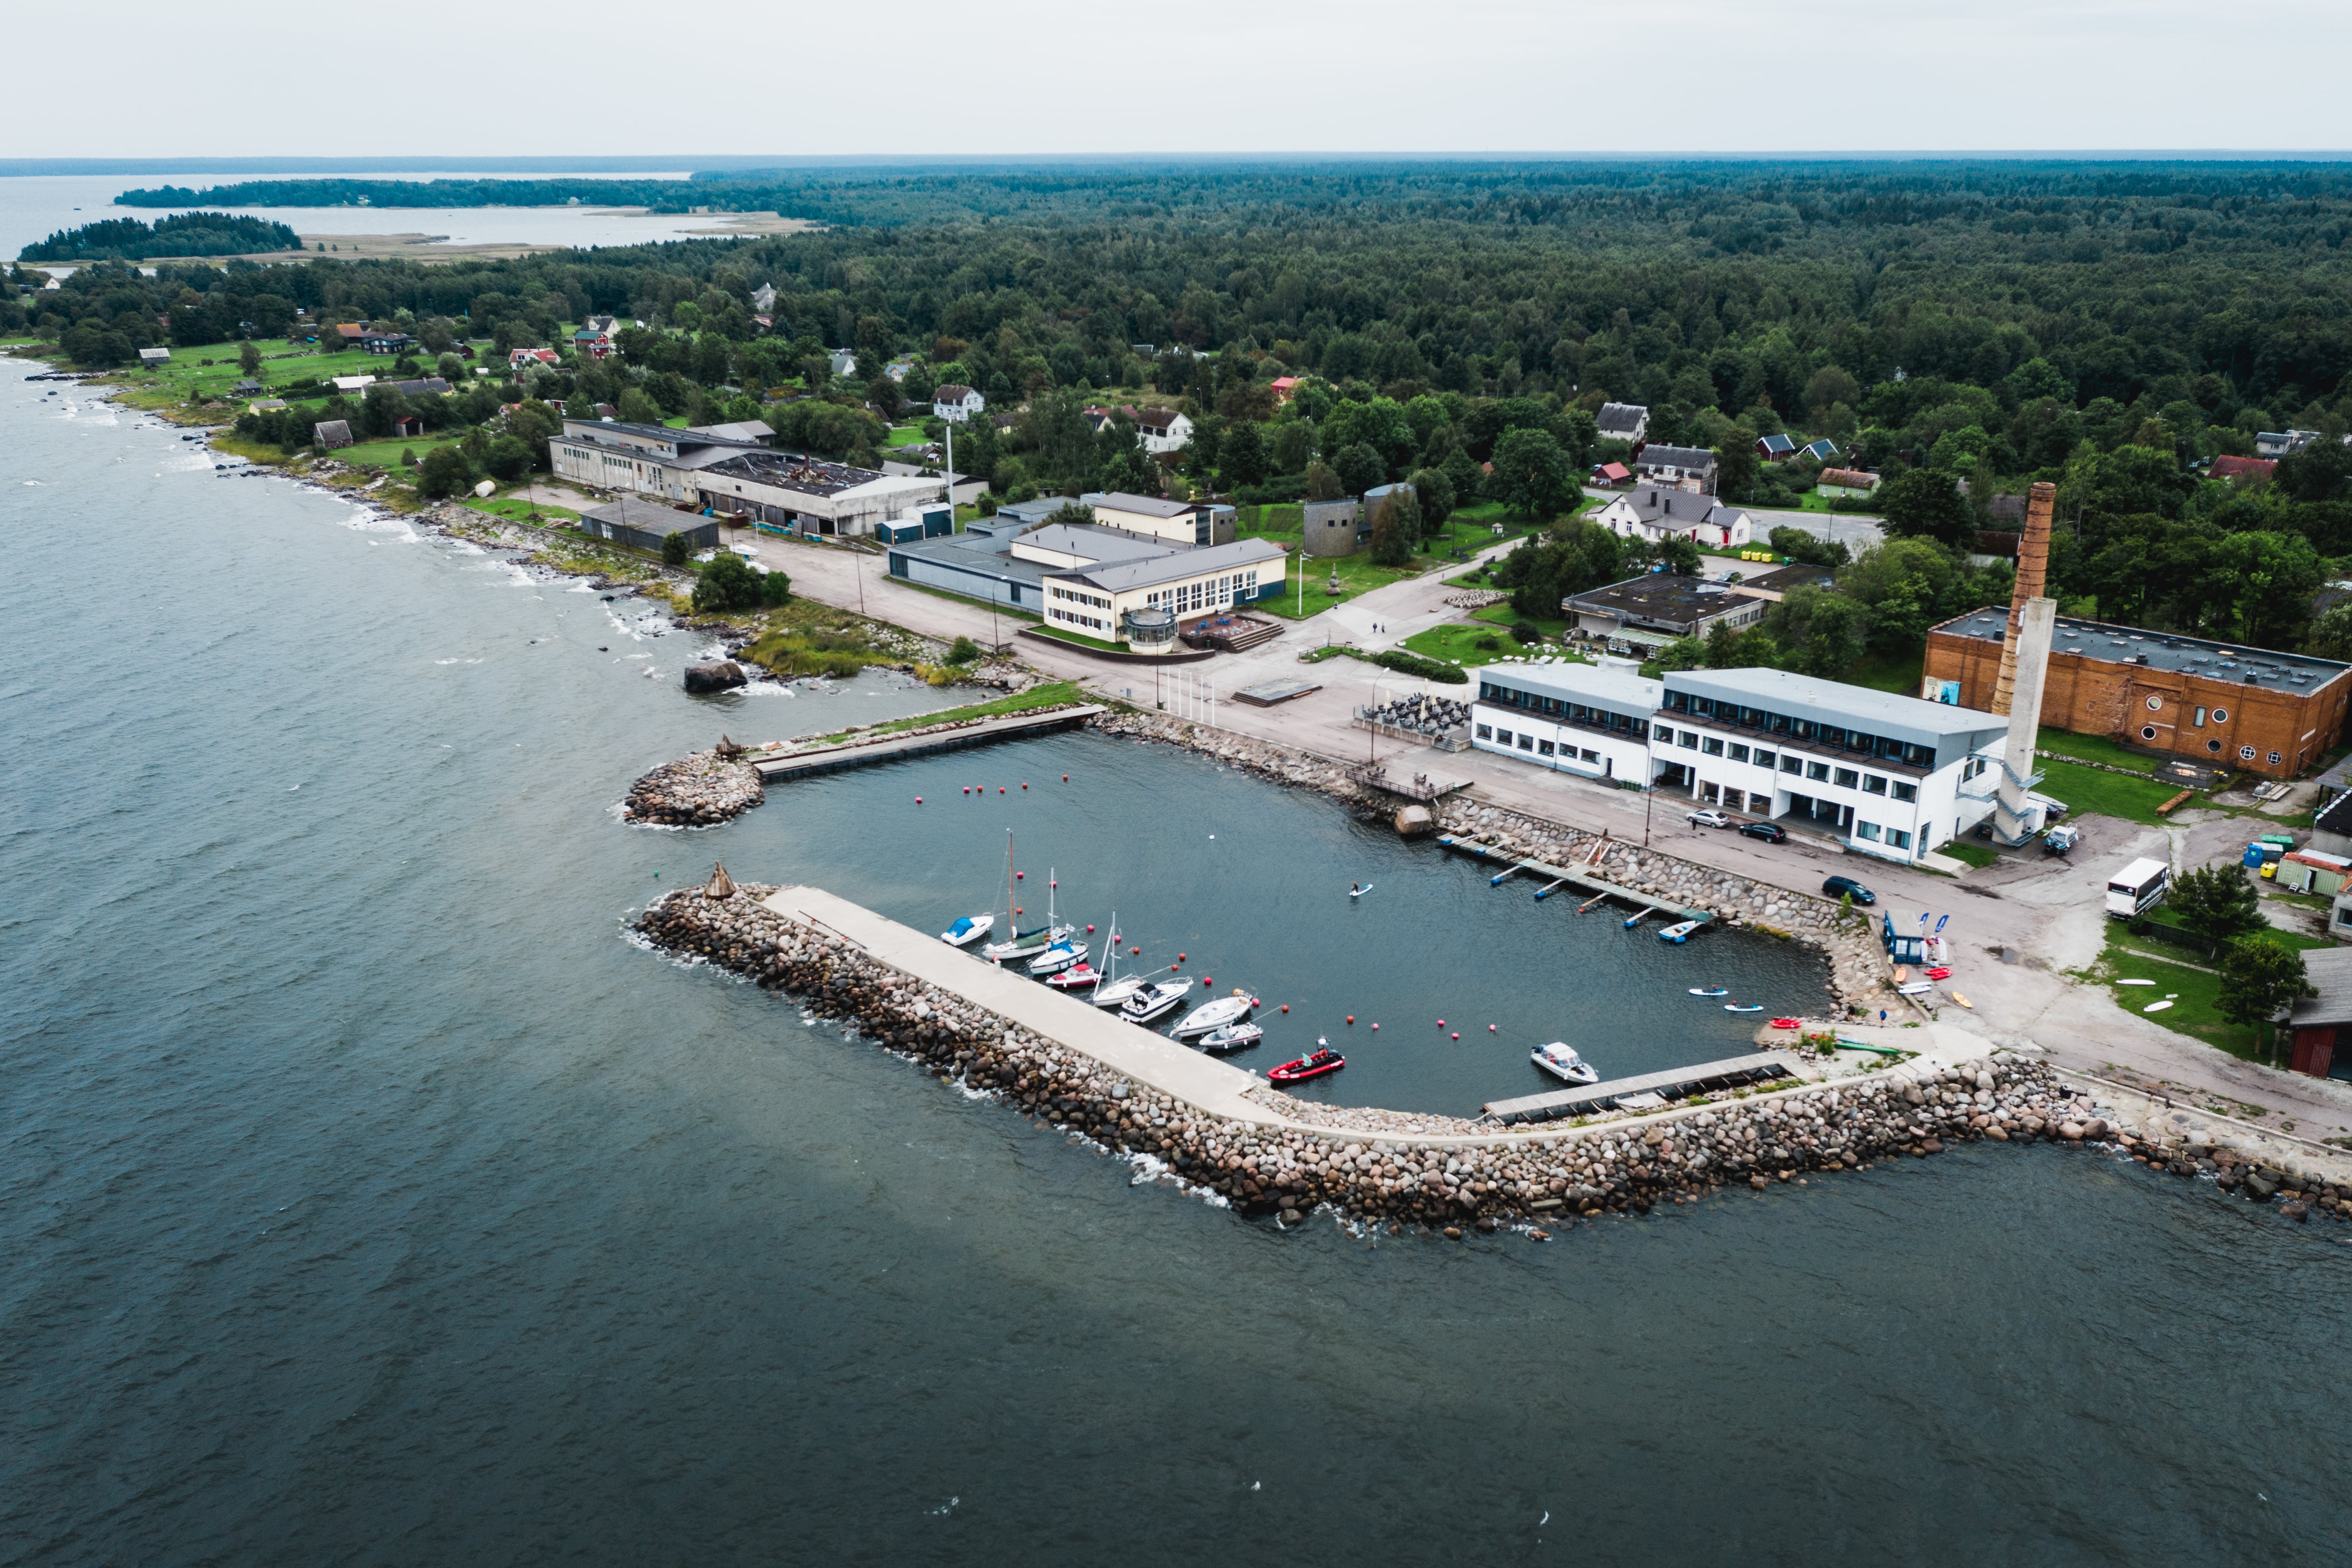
<point x="2244" y="708"/>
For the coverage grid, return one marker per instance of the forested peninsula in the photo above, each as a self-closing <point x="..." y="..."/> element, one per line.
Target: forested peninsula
<point x="1960" y="330"/>
<point x="183" y="234"/>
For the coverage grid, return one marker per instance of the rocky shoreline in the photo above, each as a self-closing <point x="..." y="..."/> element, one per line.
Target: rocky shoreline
<point x="701" y="789"/>
<point x="1434" y="1171"/>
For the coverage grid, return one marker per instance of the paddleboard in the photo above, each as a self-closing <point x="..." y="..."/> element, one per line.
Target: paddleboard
<point x="2155" y="1006"/>
<point x="1964" y="1001"/>
<point x="1708" y="991"/>
<point x="1736" y="1007"/>
<point x="1902" y="972"/>
<point x="2135" y="981"/>
<point x="1359" y="892"/>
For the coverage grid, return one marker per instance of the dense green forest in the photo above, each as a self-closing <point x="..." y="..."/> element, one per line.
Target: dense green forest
<point x="1963" y="328"/>
<point x="183" y="234"/>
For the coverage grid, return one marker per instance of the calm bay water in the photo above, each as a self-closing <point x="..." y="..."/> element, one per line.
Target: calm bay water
<point x="366" y="1197"/>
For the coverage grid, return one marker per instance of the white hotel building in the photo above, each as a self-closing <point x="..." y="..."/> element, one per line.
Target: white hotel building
<point x="1892" y="776"/>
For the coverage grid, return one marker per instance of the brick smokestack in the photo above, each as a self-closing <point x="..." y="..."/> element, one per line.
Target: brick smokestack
<point x="2032" y="566"/>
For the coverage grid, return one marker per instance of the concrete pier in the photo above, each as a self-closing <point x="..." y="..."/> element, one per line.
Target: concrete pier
<point x="1556" y="874"/>
<point x="862" y="752"/>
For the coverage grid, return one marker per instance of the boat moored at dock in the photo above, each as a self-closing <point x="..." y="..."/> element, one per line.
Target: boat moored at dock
<point x="1155" y="1001"/>
<point x="1560" y="1060"/>
<point x="1216" y="1014"/>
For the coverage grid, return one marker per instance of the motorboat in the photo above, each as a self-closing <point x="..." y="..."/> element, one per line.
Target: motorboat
<point x="969" y="930"/>
<point x="1708" y="991"/>
<point x="1155" y="1001"/>
<point x="1679" y="932"/>
<point x="1076" y="977"/>
<point x="1058" y="957"/>
<point x="1560" y="1060"/>
<point x="1313" y="1063"/>
<point x="1232" y="1037"/>
<point x="1216" y="1014"/>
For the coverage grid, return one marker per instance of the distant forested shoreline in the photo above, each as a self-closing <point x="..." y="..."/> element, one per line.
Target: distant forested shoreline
<point x="183" y="234"/>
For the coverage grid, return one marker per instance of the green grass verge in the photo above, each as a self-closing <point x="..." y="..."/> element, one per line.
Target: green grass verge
<point x="514" y="509"/>
<point x="2193" y="991"/>
<point x="1079" y="640"/>
<point x="1036" y="697"/>
<point x="1502" y="614"/>
<point x="2110" y="794"/>
<point x="2094" y="749"/>
<point x="1976" y="854"/>
<point x="1460" y="644"/>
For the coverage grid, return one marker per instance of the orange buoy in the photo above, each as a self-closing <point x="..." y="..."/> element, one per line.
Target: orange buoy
<point x="1208" y="980"/>
<point x="1286" y="1006"/>
<point x="1352" y="1018"/>
<point x="1066" y="778"/>
<point x="1000" y="789"/>
<point x="1024" y="784"/>
<point x="967" y="789"/>
<point x="1179" y="958"/>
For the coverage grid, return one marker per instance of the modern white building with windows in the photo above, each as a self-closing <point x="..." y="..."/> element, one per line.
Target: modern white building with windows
<point x="1890" y="775"/>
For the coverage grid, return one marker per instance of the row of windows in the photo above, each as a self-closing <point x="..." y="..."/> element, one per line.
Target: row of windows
<point x="1895" y="837"/>
<point x="1540" y="748"/>
<point x="1056" y="590"/>
<point x="1835" y="736"/>
<point x="1790" y="763"/>
<point x="1186" y="597"/>
<point x="1563" y="710"/>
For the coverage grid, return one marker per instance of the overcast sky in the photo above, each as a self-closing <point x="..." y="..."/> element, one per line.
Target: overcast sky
<point x="255" y="78"/>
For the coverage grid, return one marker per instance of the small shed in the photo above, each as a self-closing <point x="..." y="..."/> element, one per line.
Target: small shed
<point x="248" y="387"/>
<point x="2313" y="871"/>
<point x="641" y="525"/>
<point x="408" y="425"/>
<point x="152" y="357"/>
<point x="1775" y="447"/>
<point x="330" y="433"/>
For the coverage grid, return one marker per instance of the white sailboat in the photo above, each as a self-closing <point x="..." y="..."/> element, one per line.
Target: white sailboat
<point x="1019" y="944"/>
<point x="1111" y="990"/>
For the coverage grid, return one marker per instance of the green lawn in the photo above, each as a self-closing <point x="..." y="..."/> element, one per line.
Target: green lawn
<point x="2094" y="749"/>
<point x="1080" y="639"/>
<point x="386" y="454"/>
<point x="906" y="435"/>
<point x="1502" y="614"/>
<point x="2191" y="991"/>
<point x="187" y="372"/>
<point x="514" y="509"/>
<point x="1974" y="853"/>
<point x="2110" y="794"/>
<point x="1358" y="574"/>
<point x="1460" y="644"/>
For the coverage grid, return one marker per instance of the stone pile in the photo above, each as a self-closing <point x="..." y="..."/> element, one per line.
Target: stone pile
<point x="2257" y="1178"/>
<point x="1381" y="1166"/>
<point x="696" y="791"/>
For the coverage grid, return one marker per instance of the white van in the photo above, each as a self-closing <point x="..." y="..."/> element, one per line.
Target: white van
<point x="2137" y="889"/>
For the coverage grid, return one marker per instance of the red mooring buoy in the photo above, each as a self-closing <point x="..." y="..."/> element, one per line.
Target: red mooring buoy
<point x="1457" y="1034"/>
<point x="1352" y="1018"/>
<point x="1286" y="1006"/>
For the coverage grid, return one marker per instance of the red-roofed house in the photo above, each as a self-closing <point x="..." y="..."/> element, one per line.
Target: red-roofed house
<point x="2255" y="471"/>
<point x="1611" y="473"/>
<point x="1285" y="387"/>
<point x="524" y="359"/>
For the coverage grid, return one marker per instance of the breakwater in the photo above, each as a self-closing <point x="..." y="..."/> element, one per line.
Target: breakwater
<point x="1265" y="1153"/>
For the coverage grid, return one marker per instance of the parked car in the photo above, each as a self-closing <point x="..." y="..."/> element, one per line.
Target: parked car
<point x="1770" y="832"/>
<point x="1840" y="886"/>
<point x="2059" y="840"/>
<point x="1707" y="819"/>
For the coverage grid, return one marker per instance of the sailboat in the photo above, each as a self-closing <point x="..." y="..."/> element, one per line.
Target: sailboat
<point x="1113" y="992"/>
<point x="1019" y="944"/>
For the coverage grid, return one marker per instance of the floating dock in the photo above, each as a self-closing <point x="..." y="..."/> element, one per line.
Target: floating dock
<point x="1705" y="1077"/>
<point x="1558" y="875"/>
<point x="858" y="754"/>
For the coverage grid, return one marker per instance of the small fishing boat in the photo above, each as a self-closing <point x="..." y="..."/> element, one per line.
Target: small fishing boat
<point x="1560" y="1060"/>
<point x="1155" y="1001"/>
<point x="1058" y="957"/>
<point x="1708" y="991"/>
<point x="1076" y="977"/>
<point x="969" y="930"/>
<point x="1216" y="1014"/>
<point x="1743" y="1007"/>
<point x="1313" y="1063"/>
<point x="1679" y="932"/>
<point x="1232" y="1037"/>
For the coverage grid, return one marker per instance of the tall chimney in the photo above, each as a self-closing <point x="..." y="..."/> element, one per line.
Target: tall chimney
<point x="2032" y="566"/>
<point x="2014" y="819"/>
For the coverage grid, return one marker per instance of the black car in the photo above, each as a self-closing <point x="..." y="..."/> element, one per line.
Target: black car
<point x="1770" y="832"/>
<point x="1840" y="887"/>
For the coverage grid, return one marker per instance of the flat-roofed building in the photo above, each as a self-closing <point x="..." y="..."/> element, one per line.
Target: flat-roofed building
<point x="1178" y="521"/>
<point x="2218" y="703"/>
<point x="1890" y="775"/>
<point x="730" y="469"/>
<point x="1641" y="614"/>
<point x="642" y="525"/>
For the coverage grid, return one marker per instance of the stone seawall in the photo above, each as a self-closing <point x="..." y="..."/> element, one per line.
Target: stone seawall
<point x="1303" y="1157"/>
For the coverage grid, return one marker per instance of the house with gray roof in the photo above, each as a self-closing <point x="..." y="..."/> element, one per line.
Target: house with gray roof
<point x="1622" y="421"/>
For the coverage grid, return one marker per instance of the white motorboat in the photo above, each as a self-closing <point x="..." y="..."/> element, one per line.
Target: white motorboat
<point x="1155" y="1001"/>
<point x="1079" y="976"/>
<point x="969" y="930"/>
<point x="1216" y="1014"/>
<point x="1679" y="932"/>
<point x="1232" y="1037"/>
<point x="1560" y="1060"/>
<point x="1058" y="957"/>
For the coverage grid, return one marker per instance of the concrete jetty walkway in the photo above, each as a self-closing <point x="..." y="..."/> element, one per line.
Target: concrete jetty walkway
<point x="868" y="750"/>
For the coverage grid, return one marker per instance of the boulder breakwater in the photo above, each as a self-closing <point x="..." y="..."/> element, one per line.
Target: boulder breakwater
<point x="1267" y="1154"/>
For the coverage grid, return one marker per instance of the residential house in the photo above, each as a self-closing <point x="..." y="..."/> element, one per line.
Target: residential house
<point x="843" y="361"/>
<point x="154" y="358"/>
<point x="2216" y="703"/>
<point x="351" y="385"/>
<point x="248" y="387"/>
<point x="1847" y="483"/>
<point x="1773" y="448"/>
<point x="594" y="341"/>
<point x="1684" y="467"/>
<point x="331" y="434"/>
<point x="2248" y="470"/>
<point x="898" y="368"/>
<point x="1641" y="614"/>
<point x="1654" y="514"/>
<point x="1285" y="387"/>
<point x="377" y="341"/>
<point x="1628" y="422"/>
<point x="957" y="403"/>
<point x="350" y="333"/>
<point x="1608" y="474"/>
<point x="2277" y="444"/>
<point x="531" y="359"/>
<point x="1163" y="430"/>
<point x="1822" y="451"/>
<point x="1098" y="414"/>
<point x="764" y="298"/>
<point x="1889" y="775"/>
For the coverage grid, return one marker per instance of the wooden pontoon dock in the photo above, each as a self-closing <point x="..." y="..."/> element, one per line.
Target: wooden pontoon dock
<point x="1589" y="1099"/>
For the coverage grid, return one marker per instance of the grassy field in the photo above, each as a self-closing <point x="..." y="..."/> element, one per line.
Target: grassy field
<point x="1502" y="615"/>
<point x="514" y="509"/>
<point x="906" y="435"/>
<point x="1036" y="697"/>
<point x="386" y="454"/>
<point x="1357" y="575"/>
<point x="2110" y="794"/>
<point x="1976" y="854"/>
<point x="2094" y="749"/>
<point x="2186" y="983"/>
<point x="1462" y="644"/>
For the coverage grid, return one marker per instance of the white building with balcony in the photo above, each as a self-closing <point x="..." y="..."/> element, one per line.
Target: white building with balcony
<point x="1889" y="775"/>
